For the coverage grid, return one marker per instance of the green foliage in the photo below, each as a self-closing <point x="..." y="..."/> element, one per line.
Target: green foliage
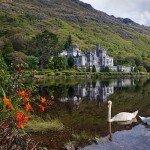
<point x="68" y="43"/>
<point x="12" y="80"/>
<point x="51" y="63"/>
<point x="38" y="124"/>
<point x="127" y="44"/>
<point x="70" y="62"/>
<point x="33" y="62"/>
<point x="141" y="69"/>
<point x="136" y="69"/>
<point x="60" y="63"/>
<point x="106" y="69"/>
<point x="3" y="66"/>
<point x="18" y="42"/>
<point x="17" y="58"/>
<point x="146" y="63"/>
<point x="44" y="44"/>
<point x="93" y="68"/>
<point x="7" y="49"/>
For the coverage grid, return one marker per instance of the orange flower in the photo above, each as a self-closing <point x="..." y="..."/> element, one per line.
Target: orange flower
<point x="20" y="124"/>
<point x="25" y="99"/>
<point x="19" y="115"/>
<point x="9" y="106"/>
<point x="25" y="119"/>
<point x="28" y="107"/>
<point x="42" y="107"/>
<point x="22" y="119"/>
<point x="21" y="93"/>
<point x="6" y="101"/>
<point x="43" y="99"/>
<point x="26" y="94"/>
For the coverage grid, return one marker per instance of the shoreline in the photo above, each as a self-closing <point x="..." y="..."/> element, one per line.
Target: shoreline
<point x="90" y="75"/>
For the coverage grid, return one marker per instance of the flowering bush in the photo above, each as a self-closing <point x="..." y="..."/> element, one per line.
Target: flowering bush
<point x="15" y="103"/>
<point x="20" y="105"/>
<point x="16" y="77"/>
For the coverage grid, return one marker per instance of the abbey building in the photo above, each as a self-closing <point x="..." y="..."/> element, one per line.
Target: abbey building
<point x="99" y="58"/>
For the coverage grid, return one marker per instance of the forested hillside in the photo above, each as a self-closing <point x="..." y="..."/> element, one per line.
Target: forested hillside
<point x="21" y="20"/>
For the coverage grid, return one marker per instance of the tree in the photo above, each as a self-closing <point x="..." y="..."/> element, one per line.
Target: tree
<point x="44" y="44"/>
<point x="138" y="61"/>
<point x="93" y="68"/>
<point x="18" y="42"/>
<point x="68" y="43"/>
<point x="106" y="69"/>
<point x="7" y="49"/>
<point x="146" y="64"/>
<point x="135" y="69"/>
<point x="33" y="62"/>
<point x="70" y="62"/>
<point x="17" y="58"/>
<point x="141" y="69"/>
<point x="70" y="40"/>
<point x="60" y="63"/>
<point x="51" y="63"/>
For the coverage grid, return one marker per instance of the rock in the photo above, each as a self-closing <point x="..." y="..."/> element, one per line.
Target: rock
<point x="69" y="148"/>
<point x="78" y="148"/>
<point x="6" y="5"/>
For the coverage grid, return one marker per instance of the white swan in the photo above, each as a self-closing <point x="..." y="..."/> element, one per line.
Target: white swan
<point x="127" y="122"/>
<point x="145" y="120"/>
<point x="123" y="116"/>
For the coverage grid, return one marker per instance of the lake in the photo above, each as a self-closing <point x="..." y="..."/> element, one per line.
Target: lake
<point x="81" y="105"/>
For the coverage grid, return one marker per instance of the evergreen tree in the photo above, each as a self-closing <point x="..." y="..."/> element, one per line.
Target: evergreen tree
<point x="69" y="40"/>
<point x="93" y="68"/>
<point x="70" y="62"/>
<point x="68" y="43"/>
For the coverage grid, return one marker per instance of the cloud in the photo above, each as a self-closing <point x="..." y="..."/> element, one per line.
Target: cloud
<point x="137" y="10"/>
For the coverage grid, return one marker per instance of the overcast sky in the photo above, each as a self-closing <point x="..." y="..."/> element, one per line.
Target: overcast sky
<point x="136" y="10"/>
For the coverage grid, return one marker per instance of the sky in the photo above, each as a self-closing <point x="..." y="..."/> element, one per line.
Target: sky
<point x="136" y="10"/>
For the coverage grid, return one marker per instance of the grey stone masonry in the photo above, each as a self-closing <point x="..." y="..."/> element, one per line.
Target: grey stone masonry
<point x="99" y="58"/>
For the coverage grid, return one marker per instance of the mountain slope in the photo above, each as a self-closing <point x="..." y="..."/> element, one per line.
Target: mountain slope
<point x="124" y="39"/>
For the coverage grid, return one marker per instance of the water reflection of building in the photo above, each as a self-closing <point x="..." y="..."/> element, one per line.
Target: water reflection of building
<point x="97" y="91"/>
<point x="122" y="83"/>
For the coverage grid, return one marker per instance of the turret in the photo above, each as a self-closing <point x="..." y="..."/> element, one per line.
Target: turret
<point x="97" y="46"/>
<point x="97" y="49"/>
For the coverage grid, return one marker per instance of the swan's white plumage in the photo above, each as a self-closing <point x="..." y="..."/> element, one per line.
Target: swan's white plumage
<point x="145" y="120"/>
<point x="123" y="116"/>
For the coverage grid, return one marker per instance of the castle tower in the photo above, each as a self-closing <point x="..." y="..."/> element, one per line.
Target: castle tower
<point x="97" y="49"/>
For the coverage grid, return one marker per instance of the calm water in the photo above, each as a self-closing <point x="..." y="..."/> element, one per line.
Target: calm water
<point x="81" y="105"/>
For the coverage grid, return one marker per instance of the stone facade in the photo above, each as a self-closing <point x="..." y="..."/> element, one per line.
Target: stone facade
<point x="99" y="58"/>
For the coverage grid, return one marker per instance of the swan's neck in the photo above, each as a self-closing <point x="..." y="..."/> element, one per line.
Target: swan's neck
<point x="109" y="114"/>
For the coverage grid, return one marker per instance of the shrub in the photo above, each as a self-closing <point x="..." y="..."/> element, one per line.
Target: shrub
<point x="57" y="73"/>
<point x="106" y="69"/>
<point x="33" y="62"/>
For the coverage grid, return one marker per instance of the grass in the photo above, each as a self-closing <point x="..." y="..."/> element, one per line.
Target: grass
<point x="121" y="42"/>
<point x="81" y="136"/>
<point x="78" y="137"/>
<point x="70" y="144"/>
<point x="38" y="124"/>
